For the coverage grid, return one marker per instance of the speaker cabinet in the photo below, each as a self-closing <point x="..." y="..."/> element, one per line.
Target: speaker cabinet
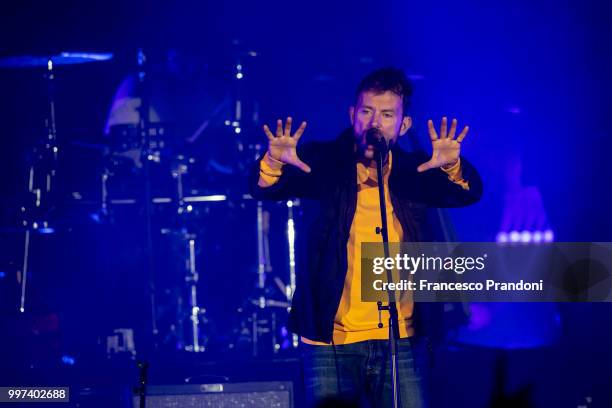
<point x="222" y="395"/>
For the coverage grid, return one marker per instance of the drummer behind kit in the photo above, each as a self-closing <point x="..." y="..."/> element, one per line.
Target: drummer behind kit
<point x="157" y="158"/>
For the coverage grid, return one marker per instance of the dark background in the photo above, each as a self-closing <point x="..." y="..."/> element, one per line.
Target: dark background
<point x="530" y="78"/>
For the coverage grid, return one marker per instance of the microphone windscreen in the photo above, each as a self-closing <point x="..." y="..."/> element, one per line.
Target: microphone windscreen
<point x="376" y="139"/>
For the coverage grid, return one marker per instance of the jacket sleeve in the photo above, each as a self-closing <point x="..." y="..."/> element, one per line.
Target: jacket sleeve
<point x="293" y="182"/>
<point x="434" y="188"/>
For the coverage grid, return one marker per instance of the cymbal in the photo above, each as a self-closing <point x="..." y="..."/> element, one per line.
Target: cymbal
<point x="64" y="58"/>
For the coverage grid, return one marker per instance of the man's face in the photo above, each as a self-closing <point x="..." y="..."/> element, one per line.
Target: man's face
<point x="383" y="111"/>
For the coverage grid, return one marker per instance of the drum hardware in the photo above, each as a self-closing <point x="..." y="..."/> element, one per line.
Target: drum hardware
<point x="175" y="195"/>
<point x="259" y="330"/>
<point x="290" y="289"/>
<point x="192" y="280"/>
<point x="121" y="341"/>
<point x="128" y="141"/>
<point x="196" y="315"/>
<point x="104" y="193"/>
<point x="170" y="200"/>
<point x="41" y="181"/>
<point x="63" y="58"/>
<point x="259" y="326"/>
<point x="42" y="169"/>
<point x="179" y="170"/>
<point x="184" y="203"/>
<point x="143" y="89"/>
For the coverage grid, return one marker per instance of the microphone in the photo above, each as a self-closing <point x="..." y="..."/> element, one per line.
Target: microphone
<point x="375" y="138"/>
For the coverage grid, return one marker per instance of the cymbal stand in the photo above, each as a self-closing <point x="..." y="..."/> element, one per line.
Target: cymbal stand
<point x="147" y="156"/>
<point x="192" y="276"/>
<point x="192" y="280"/>
<point x="263" y="253"/>
<point x="41" y="183"/>
<point x="290" y="289"/>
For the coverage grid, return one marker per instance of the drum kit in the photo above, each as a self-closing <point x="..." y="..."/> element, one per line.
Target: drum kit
<point x="194" y="208"/>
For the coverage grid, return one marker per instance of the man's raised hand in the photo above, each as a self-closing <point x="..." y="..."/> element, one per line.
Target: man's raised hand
<point x="282" y="146"/>
<point x="445" y="148"/>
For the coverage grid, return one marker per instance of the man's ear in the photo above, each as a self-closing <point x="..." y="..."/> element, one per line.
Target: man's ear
<point x="351" y="113"/>
<point x="406" y="124"/>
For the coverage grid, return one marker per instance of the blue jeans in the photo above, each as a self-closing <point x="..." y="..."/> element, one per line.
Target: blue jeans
<point x="360" y="373"/>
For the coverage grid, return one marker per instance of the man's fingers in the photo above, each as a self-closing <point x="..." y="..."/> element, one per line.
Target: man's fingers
<point x="443" y="128"/>
<point x="268" y="132"/>
<point x="453" y="129"/>
<point x="432" y="131"/>
<point x="425" y="166"/>
<point x="279" y="128"/>
<point x="463" y="134"/>
<point x="298" y="133"/>
<point x="302" y="166"/>
<point x="288" y="126"/>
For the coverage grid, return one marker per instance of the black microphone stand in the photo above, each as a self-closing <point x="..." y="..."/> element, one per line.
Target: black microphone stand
<point x="380" y="155"/>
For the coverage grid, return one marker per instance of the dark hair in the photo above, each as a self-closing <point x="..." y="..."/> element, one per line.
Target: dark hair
<point x="387" y="79"/>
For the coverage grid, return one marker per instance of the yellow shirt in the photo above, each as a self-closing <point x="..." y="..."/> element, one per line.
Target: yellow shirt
<point x="356" y="320"/>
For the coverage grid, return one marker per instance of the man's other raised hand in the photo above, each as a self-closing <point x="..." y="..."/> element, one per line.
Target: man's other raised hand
<point x="282" y="145"/>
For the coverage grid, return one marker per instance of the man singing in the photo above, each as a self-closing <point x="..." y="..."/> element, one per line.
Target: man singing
<point x="344" y="340"/>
